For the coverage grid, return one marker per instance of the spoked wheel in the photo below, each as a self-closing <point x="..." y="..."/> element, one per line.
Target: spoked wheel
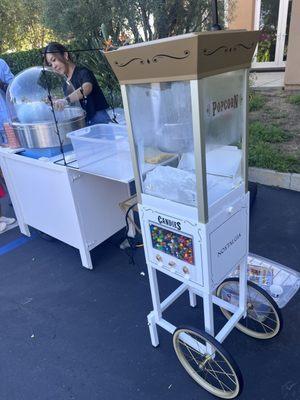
<point x="263" y="320"/>
<point x="214" y="370"/>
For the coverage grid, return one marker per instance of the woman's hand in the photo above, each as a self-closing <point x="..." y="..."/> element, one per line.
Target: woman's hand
<point x="60" y="104"/>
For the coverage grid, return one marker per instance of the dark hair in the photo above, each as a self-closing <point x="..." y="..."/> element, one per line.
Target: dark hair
<point x="55" y="47"/>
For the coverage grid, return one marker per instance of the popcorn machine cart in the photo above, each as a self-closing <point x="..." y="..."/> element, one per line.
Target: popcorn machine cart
<point x="185" y="101"/>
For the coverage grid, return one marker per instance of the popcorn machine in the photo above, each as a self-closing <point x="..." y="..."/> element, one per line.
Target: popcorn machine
<point x="185" y="101"/>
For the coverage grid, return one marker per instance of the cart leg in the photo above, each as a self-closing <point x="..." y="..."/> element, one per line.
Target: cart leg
<point x="156" y="314"/>
<point x="208" y="314"/>
<point x="243" y="286"/>
<point x="193" y="298"/>
<point x="16" y="202"/>
<point x="153" y="330"/>
<point x="208" y="319"/>
<point x="86" y="257"/>
<point x="24" y="228"/>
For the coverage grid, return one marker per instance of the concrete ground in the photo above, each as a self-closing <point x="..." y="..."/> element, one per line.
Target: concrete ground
<point x="69" y="333"/>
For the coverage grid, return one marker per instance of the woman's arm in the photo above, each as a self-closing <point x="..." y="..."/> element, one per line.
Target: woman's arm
<point x="77" y="95"/>
<point x="6" y="75"/>
<point x="80" y="93"/>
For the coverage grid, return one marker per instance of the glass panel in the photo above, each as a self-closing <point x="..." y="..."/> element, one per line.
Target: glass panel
<point x="161" y="119"/>
<point x="177" y="244"/>
<point x="268" y="26"/>
<point x="223" y="126"/>
<point x="286" y="41"/>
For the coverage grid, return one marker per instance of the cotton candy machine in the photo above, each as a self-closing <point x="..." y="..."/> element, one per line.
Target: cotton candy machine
<point x="36" y="117"/>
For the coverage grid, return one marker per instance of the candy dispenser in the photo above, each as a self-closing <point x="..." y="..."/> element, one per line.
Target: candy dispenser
<point x="185" y="101"/>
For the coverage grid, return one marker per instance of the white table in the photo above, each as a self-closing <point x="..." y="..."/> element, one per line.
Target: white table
<point x="80" y="209"/>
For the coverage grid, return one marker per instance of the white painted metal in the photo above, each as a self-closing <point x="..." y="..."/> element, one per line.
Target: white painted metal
<point x="193" y="343"/>
<point x="212" y="243"/>
<point x="230" y="324"/>
<point x="153" y="329"/>
<point x="208" y="240"/>
<point x="224" y="304"/>
<point x="173" y="296"/>
<point x="280" y="37"/>
<point x="208" y="314"/>
<point x="281" y="34"/>
<point x="79" y="209"/>
<point x="193" y="298"/>
<point x="13" y="194"/>
<point x="157" y="309"/>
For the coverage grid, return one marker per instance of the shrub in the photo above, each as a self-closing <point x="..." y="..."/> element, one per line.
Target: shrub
<point x="294" y="99"/>
<point x="266" y="133"/>
<point x="23" y="59"/>
<point x="256" y="102"/>
<point x="263" y="155"/>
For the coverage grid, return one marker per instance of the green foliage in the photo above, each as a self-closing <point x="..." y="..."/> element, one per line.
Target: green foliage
<point x="256" y="102"/>
<point x="23" y="59"/>
<point x="294" y="99"/>
<point x="267" y="133"/>
<point x="267" y="40"/>
<point x="277" y="115"/>
<point x="264" y="154"/>
<point x="21" y="26"/>
<point x="139" y="19"/>
<point x="96" y="62"/>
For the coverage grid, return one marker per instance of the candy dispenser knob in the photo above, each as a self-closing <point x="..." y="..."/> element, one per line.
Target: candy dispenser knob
<point x="230" y="210"/>
<point x="159" y="259"/>
<point x="185" y="270"/>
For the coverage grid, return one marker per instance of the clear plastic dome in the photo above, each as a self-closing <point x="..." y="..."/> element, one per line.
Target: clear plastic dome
<point x="30" y="94"/>
<point x="40" y="115"/>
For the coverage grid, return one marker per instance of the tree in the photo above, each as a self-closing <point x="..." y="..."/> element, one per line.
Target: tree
<point x="22" y="26"/>
<point x="84" y="24"/>
<point x="141" y="19"/>
<point x="9" y="12"/>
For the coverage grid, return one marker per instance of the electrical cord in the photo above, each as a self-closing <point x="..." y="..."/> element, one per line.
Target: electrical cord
<point x="133" y="243"/>
<point x="126" y="218"/>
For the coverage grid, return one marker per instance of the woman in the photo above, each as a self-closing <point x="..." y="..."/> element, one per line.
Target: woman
<point x="5" y="78"/>
<point x="87" y="89"/>
<point x="4" y="221"/>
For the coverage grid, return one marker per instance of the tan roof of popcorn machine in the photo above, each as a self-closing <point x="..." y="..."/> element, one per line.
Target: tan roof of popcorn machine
<point x="184" y="57"/>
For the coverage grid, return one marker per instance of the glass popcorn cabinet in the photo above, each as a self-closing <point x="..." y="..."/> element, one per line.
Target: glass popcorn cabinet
<point x="186" y="101"/>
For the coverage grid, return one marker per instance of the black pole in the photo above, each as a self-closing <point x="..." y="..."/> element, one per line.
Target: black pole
<point x="215" y="18"/>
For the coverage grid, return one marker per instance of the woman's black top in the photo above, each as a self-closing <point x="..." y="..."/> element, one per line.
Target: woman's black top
<point x="95" y="101"/>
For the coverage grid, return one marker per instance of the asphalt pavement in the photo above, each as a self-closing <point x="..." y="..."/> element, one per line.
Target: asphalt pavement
<point x="70" y="333"/>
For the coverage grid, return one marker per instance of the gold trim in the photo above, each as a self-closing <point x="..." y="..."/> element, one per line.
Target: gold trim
<point x="183" y="57"/>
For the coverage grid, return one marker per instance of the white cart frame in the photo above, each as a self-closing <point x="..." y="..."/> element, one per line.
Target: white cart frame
<point x="199" y="245"/>
<point x="205" y="221"/>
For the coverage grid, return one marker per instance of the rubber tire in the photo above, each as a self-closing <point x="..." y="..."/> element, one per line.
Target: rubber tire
<point x="221" y="349"/>
<point x="265" y="294"/>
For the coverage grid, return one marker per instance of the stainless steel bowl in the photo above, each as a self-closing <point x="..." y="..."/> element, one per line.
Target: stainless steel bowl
<point x="43" y="134"/>
<point x="175" y="138"/>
